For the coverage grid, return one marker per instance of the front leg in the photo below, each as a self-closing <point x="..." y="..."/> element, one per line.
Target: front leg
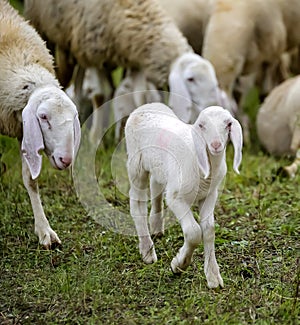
<point x="46" y="235"/>
<point x="207" y="224"/>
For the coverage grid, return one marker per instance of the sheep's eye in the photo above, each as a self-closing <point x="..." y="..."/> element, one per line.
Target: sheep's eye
<point x="201" y="126"/>
<point x="43" y="117"/>
<point x="191" y="79"/>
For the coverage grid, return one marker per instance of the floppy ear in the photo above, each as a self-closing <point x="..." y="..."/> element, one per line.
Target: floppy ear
<point x="180" y="100"/>
<point x="32" y="141"/>
<point x="201" y="152"/>
<point x="236" y="137"/>
<point x="77" y="135"/>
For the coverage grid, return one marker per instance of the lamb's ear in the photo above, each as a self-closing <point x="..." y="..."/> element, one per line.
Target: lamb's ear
<point x="236" y="137"/>
<point x="180" y="99"/>
<point x="201" y="152"/>
<point x="77" y="135"/>
<point x="32" y="141"/>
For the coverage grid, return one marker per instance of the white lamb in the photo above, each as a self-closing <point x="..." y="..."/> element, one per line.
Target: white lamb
<point x="34" y="109"/>
<point x="188" y="162"/>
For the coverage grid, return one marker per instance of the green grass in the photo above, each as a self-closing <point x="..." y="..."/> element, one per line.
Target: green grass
<point x="97" y="276"/>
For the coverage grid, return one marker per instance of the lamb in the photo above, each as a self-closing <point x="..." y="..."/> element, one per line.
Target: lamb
<point x="257" y="33"/>
<point x="132" y="34"/>
<point x="34" y="109"/>
<point x="188" y="163"/>
<point x="278" y="122"/>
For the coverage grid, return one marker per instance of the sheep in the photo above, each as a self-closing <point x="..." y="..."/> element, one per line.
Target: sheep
<point x="188" y="163"/>
<point x="132" y="34"/>
<point x="278" y="121"/>
<point x="34" y="109"/>
<point x="191" y="17"/>
<point x="256" y="32"/>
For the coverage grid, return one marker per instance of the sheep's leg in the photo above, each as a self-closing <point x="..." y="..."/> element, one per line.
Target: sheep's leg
<point x="207" y="223"/>
<point x="46" y="235"/>
<point x="139" y="213"/>
<point x="100" y="119"/>
<point x="156" y="213"/>
<point x="191" y="231"/>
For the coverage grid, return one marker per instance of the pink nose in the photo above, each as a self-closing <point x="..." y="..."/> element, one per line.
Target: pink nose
<point x="216" y="144"/>
<point x="66" y="161"/>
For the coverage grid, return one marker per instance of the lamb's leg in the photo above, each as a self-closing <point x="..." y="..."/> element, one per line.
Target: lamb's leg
<point x="46" y="235"/>
<point x="207" y="223"/>
<point x="156" y="213"/>
<point x="138" y="210"/>
<point x="191" y="231"/>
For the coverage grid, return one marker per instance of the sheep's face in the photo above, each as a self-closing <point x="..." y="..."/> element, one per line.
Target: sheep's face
<point x="214" y="124"/>
<point x="201" y="82"/>
<point x="50" y="122"/>
<point x="57" y="119"/>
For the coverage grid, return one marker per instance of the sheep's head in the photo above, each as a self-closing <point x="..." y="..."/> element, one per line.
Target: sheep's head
<point x="50" y="122"/>
<point x="211" y="132"/>
<point x="192" y="81"/>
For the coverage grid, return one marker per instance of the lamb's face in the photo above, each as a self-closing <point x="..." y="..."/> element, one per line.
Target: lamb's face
<point x="215" y="125"/>
<point x="58" y="120"/>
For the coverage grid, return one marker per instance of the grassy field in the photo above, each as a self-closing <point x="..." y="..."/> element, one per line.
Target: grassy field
<point x="97" y="275"/>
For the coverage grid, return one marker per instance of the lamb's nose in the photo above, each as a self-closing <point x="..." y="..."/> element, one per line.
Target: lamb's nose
<point x="66" y="161"/>
<point x="216" y="144"/>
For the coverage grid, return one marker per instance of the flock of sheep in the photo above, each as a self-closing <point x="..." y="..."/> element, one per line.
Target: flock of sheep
<point x="203" y="51"/>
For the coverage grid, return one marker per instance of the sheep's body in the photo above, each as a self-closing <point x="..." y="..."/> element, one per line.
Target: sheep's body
<point x="33" y="108"/>
<point x="175" y="156"/>
<point x="278" y="119"/>
<point x="256" y="32"/>
<point x="128" y="33"/>
<point x="21" y="52"/>
<point x="191" y="17"/>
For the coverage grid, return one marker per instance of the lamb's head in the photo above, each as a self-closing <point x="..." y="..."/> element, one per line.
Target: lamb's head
<point x="192" y="81"/>
<point x="211" y="132"/>
<point x="50" y="122"/>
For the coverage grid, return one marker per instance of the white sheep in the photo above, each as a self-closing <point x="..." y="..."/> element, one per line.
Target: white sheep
<point x="132" y="34"/>
<point x="34" y="109"/>
<point x="278" y="120"/>
<point x="188" y="163"/>
<point x="191" y="17"/>
<point x="242" y="36"/>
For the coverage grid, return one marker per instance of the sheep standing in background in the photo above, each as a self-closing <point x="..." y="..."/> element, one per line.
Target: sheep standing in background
<point x="188" y="163"/>
<point x="191" y="17"/>
<point x="278" y="121"/>
<point x="255" y="31"/>
<point x="132" y="34"/>
<point x="34" y="109"/>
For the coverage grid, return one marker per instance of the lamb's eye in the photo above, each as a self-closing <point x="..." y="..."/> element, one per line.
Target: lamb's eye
<point x="191" y="79"/>
<point x="229" y="124"/>
<point x="201" y="126"/>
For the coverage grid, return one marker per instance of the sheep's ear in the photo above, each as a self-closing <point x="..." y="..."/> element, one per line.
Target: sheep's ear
<point x="180" y="99"/>
<point x="32" y="141"/>
<point x="201" y="152"/>
<point x="236" y="137"/>
<point x="77" y="135"/>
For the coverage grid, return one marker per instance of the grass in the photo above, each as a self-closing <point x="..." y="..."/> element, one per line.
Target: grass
<point x="97" y="276"/>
